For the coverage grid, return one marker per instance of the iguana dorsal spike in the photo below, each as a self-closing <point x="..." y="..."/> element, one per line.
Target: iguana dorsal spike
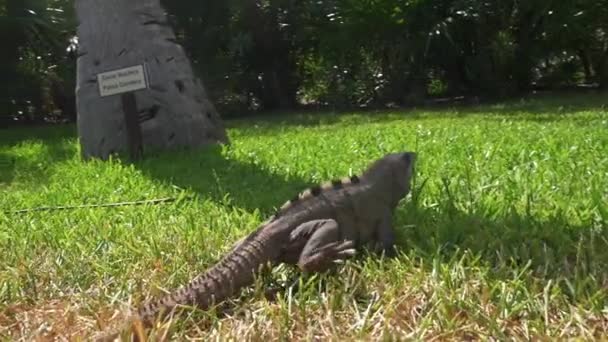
<point x="314" y="191"/>
<point x="288" y="204"/>
<point x="332" y="185"/>
<point x="287" y="237"/>
<point x="311" y="192"/>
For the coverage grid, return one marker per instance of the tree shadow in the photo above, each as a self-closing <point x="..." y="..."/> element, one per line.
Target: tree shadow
<point x="550" y="247"/>
<point x="205" y="171"/>
<point x="540" y="107"/>
<point x="34" y="165"/>
<point x="7" y="168"/>
<point x="44" y="133"/>
<point x="550" y="109"/>
<point x="213" y="175"/>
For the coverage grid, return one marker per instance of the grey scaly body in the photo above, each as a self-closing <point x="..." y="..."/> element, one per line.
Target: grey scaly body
<point x="319" y="226"/>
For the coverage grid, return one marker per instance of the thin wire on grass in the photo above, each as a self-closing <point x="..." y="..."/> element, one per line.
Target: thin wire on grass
<point x="102" y="205"/>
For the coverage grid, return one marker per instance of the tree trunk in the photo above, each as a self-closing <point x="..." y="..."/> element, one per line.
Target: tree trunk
<point x="63" y="98"/>
<point x="174" y="111"/>
<point x="601" y="69"/>
<point x="270" y="57"/>
<point x="584" y="58"/>
<point x="528" y="28"/>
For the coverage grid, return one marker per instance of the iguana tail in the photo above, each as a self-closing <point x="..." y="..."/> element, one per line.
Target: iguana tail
<point x="233" y="272"/>
<point x="221" y="281"/>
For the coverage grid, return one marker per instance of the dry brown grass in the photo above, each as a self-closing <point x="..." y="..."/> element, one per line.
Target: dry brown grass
<point x="414" y="310"/>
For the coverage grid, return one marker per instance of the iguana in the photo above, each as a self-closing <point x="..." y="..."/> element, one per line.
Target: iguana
<point x="317" y="227"/>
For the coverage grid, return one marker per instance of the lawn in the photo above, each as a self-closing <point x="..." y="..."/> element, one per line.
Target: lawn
<point x="505" y="234"/>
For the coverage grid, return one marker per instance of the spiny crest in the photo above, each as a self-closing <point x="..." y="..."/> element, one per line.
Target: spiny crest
<point x="316" y="191"/>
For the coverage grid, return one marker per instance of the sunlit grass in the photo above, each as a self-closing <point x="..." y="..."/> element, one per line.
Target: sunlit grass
<point x="505" y="234"/>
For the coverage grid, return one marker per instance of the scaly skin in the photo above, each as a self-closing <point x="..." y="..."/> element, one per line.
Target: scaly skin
<point x="317" y="227"/>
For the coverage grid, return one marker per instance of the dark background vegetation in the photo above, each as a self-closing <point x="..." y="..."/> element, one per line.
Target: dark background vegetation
<point x="283" y="54"/>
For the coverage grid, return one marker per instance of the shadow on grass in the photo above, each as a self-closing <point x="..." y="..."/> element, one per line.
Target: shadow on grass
<point x="540" y="108"/>
<point x="44" y="133"/>
<point x="7" y="168"/>
<point x="552" y="245"/>
<point x="205" y="171"/>
<point x="209" y="173"/>
<point x="509" y="241"/>
<point x="33" y="165"/>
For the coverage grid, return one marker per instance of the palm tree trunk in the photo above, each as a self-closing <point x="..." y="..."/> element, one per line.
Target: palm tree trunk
<point x="174" y="111"/>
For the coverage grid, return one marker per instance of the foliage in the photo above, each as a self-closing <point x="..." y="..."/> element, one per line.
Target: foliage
<point x="35" y="35"/>
<point x="354" y="52"/>
<point x="271" y="54"/>
<point x="504" y="234"/>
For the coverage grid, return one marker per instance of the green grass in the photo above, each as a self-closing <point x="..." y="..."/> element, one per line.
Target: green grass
<point x="507" y="237"/>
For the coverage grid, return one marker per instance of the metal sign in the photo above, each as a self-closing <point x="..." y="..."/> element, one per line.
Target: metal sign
<point x="122" y="80"/>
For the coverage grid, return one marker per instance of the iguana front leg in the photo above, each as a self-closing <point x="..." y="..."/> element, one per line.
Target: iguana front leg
<point x="386" y="235"/>
<point x="315" y="245"/>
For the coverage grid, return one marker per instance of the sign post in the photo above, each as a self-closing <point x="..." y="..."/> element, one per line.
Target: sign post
<point x="125" y="82"/>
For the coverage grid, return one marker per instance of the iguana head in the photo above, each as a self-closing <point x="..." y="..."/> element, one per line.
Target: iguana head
<point x="393" y="173"/>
